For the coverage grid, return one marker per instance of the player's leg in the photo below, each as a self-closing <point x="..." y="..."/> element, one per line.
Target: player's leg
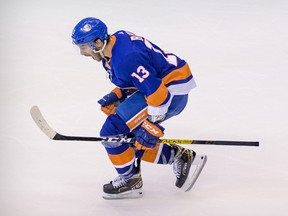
<point x="122" y="155"/>
<point x="165" y="154"/>
<point x="133" y="111"/>
<point x="181" y="158"/>
<point x="184" y="158"/>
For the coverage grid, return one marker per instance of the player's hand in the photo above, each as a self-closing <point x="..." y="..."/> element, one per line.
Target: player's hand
<point x="110" y="101"/>
<point x="109" y="109"/>
<point x="148" y="135"/>
<point x="115" y="95"/>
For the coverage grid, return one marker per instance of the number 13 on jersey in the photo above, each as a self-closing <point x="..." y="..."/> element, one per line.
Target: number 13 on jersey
<point x="141" y="74"/>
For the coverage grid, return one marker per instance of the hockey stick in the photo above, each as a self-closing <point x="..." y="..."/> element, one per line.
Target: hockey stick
<point x="52" y="134"/>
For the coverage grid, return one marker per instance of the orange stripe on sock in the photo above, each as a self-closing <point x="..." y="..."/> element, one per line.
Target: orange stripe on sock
<point x="122" y="158"/>
<point x="151" y="154"/>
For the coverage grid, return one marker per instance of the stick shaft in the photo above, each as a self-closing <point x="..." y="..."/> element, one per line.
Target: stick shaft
<point x="165" y="141"/>
<point x="52" y="134"/>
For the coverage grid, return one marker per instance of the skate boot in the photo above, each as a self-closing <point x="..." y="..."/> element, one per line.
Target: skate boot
<point x="187" y="167"/>
<point x="123" y="187"/>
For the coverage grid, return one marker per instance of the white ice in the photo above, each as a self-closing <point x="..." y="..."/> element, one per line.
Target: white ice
<point x="238" y="52"/>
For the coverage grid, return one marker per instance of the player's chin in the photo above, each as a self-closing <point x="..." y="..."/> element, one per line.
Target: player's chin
<point x="97" y="57"/>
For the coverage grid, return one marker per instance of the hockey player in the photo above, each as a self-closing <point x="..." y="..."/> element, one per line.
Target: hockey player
<point x="152" y="86"/>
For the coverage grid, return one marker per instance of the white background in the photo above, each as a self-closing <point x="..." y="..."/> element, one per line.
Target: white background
<point x="238" y="53"/>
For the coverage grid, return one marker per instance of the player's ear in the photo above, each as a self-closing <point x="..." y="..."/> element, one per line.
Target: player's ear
<point x="98" y="42"/>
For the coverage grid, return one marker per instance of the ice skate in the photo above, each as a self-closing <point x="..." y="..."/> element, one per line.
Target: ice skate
<point x="187" y="167"/>
<point x="123" y="187"/>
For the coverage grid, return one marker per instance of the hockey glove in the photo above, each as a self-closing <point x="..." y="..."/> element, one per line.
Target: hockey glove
<point x="110" y="101"/>
<point x="148" y="135"/>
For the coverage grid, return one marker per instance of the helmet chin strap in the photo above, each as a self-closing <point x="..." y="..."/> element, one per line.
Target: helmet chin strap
<point x="101" y="50"/>
<point x="102" y="55"/>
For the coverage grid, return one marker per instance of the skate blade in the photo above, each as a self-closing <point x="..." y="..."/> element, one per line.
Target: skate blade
<point x="137" y="193"/>
<point x="197" y="164"/>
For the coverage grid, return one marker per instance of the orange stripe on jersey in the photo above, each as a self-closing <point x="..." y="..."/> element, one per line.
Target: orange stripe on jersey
<point x="178" y="74"/>
<point x="137" y="119"/>
<point x="158" y="97"/>
<point x="110" y="45"/>
<point x="123" y="158"/>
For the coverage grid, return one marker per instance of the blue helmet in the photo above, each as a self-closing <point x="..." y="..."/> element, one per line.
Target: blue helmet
<point x="88" y="30"/>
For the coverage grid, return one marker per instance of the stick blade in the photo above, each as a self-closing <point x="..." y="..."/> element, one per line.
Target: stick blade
<point x="41" y="122"/>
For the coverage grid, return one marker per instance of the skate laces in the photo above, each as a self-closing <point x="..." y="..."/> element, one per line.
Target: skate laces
<point x="177" y="168"/>
<point x="119" y="181"/>
<point x="179" y="162"/>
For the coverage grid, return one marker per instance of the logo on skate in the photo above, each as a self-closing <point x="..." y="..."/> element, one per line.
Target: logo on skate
<point x="184" y="171"/>
<point x="138" y="185"/>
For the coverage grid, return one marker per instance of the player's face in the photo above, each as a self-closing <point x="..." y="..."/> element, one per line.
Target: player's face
<point x="86" y="50"/>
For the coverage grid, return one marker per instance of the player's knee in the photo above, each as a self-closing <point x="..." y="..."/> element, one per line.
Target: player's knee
<point x="114" y="126"/>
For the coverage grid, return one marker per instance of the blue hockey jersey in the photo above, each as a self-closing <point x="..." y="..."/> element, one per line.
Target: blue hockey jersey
<point x="138" y="63"/>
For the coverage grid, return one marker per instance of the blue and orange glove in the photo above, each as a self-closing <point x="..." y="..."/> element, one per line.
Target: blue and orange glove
<point x="148" y="135"/>
<point x="110" y="101"/>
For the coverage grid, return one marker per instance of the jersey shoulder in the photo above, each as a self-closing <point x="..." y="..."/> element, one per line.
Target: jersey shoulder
<point x="128" y="52"/>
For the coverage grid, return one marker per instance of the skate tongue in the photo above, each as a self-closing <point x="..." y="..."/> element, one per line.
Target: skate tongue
<point x="119" y="181"/>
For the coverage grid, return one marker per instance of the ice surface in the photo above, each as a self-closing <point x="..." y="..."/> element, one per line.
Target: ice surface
<point x="238" y="53"/>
